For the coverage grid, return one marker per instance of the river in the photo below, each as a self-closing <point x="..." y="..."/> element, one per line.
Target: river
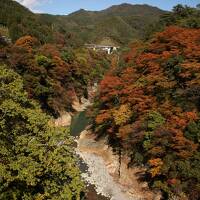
<point x="78" y="124"/>
<point x="100" y="168"/>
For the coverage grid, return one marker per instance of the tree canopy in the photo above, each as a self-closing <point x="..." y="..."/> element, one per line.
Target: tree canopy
<point x="36" y="160"/>
<point x="54" y="75"/>
<point x="181" y="15"/>
<point x="150" y="109"/>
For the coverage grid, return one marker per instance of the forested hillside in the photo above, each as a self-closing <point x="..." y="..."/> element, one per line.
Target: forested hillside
<point x="39" y="81"/>
<point x="181" y="15"/>
<point x="20" y="21"/>
<point x="79" y="27"/>
<point x="54" y="75"/>
<point x="147" y="105"/>
<point x="37" y="161"/>
<point x="95" y="26"/>
<point x="149" y="109"/>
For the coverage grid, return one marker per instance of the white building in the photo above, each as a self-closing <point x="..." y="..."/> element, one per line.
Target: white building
<point x="107" y="48"/>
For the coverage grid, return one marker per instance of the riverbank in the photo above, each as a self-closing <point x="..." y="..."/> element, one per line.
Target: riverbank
<point x="103" y="171"/>
<point x="100" y="167"/>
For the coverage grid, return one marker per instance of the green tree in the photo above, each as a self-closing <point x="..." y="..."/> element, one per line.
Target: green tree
<point x="36" y="159"/>
<point x="182" y="11"/>
<point x="192" y="132"/>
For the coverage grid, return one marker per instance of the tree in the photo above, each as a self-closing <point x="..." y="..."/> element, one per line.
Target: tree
<point x="122" y="115"/>
<point x="36" y="159"/>
<point x="150" y="109"/>
<point x="27" y="42"/>
<point x="180" y="10"/>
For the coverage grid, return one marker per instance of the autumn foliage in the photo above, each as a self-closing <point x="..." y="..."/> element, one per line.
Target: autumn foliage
<point x="151" y="109"/>
<point x="27" y="42"/>
<point x="54" y="75"/>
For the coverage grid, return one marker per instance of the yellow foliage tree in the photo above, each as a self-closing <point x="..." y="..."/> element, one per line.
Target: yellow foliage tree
<point x="122" y="115"/>
<point x="156" y="165"/>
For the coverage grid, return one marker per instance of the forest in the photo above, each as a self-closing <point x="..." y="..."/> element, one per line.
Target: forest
<point x="147" y="104"/>
<point x="52" y="73"/>
<point x="81" y="26"/>
<point x="149" y="109"/>
<point x="39" y="81"/>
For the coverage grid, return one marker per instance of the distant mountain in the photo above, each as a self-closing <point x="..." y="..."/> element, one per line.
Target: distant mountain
<point x="119" y="23"/>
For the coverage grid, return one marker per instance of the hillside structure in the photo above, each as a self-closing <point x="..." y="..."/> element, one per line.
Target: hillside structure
<point x="107" y="48"/>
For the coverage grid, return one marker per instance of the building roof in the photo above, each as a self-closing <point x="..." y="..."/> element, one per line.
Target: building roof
<point x="100" y="46"/>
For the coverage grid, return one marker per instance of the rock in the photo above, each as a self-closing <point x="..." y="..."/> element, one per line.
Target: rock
<point x="80" y="106"/>
<point x="144" y="185"/>
<point x="92" y="90"/>
<point x="99" y="176"/>
<point x="157" y="196"/>
<point x="85" y="101"/>
<point x="104" y="171"/>
<point x="64" y="120"/>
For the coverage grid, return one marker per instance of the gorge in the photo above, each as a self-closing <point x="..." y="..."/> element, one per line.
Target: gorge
<point x="103" y="182"/>
<point x="82" y="124"/>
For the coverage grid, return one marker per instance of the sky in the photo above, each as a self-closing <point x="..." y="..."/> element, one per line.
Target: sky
<point x="69" y="6"/>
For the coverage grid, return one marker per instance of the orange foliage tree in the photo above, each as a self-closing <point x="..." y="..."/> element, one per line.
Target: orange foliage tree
<point x="27" y="42"/>
<point x="164" y="80"/>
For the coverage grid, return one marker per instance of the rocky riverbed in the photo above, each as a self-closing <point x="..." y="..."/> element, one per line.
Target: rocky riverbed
<point x="103" y="171"/>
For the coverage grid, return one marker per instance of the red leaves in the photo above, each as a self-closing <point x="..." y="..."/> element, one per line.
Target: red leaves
<point x="183" y="147"/>
<point x="49" y="50"/>
<point x="103" y="117"/>
<point x="110" y="86"/>
<point x="135" y="46"/>
<point x="139" y="86"/>
<point x="172" y="181"/>
<point x="177" y="40"/>
<point x="191" y="116"/>
<point x="110" y="82"/>
<point x="164" y="78"/>
<point x="156" y="165"/>
<point x="181" y="119"/>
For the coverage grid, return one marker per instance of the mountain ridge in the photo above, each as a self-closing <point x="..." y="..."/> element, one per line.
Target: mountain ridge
<point x="121" y="23"/>
<point x="111" y="22"/>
